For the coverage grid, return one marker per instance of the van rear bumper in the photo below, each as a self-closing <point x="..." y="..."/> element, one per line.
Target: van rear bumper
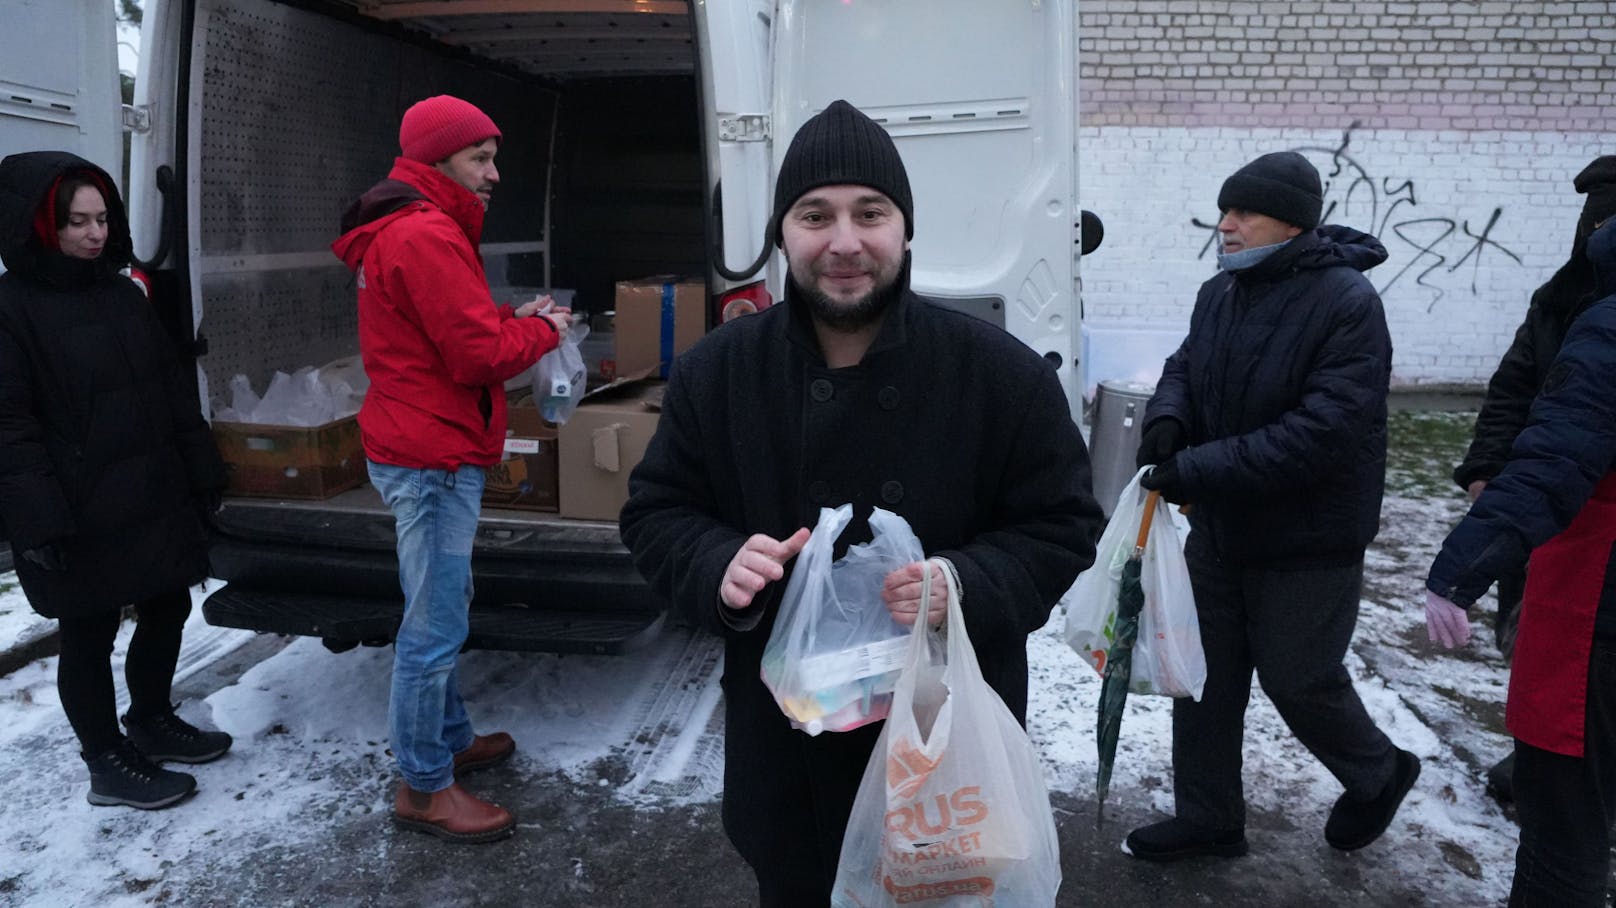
<point x="541" y="585"/>
<point x="345" y="620"/>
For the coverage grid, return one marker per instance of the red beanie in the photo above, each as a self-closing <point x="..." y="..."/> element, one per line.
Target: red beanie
<point x="438" y="127"/>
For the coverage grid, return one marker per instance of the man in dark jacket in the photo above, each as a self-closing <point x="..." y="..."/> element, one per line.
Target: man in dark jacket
<point x="1555" y="500"/>
<point x="857" y="390"/>
<point x="1270" y="423"/>
<point x="1516" y="382"/>
<point x="438" y="352"/>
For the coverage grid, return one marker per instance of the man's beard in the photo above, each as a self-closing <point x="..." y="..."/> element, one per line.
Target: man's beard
<point x="850" y="317"/>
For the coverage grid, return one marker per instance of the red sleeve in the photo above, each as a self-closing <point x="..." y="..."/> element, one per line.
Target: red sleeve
<point x="435" y="266"/>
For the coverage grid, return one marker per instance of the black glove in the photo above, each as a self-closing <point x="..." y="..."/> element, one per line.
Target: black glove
<point x="1162" y="439"/>
<point x="1164" y="477"/>
<point x="48" y="556"/>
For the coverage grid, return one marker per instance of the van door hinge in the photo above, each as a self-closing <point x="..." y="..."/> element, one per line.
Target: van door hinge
<point x="743" y="128"/>
<point x="137" y="118"/>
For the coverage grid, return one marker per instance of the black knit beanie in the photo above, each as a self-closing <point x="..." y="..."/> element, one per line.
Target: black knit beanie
<point x="1598" y="181"/>
<point x="1282" y="185"/>
<point x="835" y="146"/>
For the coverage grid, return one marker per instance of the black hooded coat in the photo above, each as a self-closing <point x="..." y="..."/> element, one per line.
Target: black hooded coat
<point x="103" y="452"/>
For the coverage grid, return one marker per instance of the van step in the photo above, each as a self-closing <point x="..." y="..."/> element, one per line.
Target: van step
<point x="351" y="619"/>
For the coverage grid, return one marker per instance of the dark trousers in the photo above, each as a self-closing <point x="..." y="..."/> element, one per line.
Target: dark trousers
<point x="84" y="672"/>
<point x="1292" y="628"/>
<point x="1567" y="805"/>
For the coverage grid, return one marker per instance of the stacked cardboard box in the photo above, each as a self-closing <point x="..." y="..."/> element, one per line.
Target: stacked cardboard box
<point x="291" y="461"/>
<point x="602" y="443"/>
<point x="525" y="478"/>
<point x="657" y="319"/>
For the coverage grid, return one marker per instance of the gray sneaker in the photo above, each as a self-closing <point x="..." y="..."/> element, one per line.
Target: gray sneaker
<point x="123" y="776"/>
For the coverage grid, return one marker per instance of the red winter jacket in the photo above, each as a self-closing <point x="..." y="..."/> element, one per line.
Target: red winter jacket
<point x="435" y="346"/>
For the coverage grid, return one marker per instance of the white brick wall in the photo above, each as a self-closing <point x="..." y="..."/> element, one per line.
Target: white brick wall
<point x="1452" y="300"/>
<point x="1455" y="111"/>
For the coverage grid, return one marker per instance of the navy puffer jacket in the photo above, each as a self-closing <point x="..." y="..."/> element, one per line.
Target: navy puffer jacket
<point x="1281" y="385"/>
<point x="1567" y="447"/>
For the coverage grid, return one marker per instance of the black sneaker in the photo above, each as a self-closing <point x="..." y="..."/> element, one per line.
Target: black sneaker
<point x="123" y="776"/>
<point x="166" y="736"/>
<point x="1175" y="839"/>
<point x="1354" y="823"/>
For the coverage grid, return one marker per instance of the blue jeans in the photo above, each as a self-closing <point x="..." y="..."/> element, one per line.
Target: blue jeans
<point x="436" y="515"/>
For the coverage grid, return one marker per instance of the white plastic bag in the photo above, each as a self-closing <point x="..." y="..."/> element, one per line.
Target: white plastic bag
<point x="833" y="656"/>
<point x="1091" y="606"/>
<point x="1167" y="656"/>
<point x="952" y="809"/>
<point x="559" y="377"/>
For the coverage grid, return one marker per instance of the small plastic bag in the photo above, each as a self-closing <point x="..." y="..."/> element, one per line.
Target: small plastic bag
<point x="559" y="377"/>
<point x="1091" y="606"/>
<point x="952" y="808"/>
<point x="1167" y="655"/>
<point x="834" y="654"/>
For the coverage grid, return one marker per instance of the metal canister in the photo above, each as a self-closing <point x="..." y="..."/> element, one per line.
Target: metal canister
<point x="1118" y="424"/>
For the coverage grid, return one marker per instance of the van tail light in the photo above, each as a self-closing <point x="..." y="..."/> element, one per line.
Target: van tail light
<point x="743" y="301"/>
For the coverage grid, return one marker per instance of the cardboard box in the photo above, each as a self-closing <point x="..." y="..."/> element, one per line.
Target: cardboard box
<point x="525" y="479"/>
<point x="600" y="446"/>
<point x="291" y="461"/>
<point x="657" y="319"/>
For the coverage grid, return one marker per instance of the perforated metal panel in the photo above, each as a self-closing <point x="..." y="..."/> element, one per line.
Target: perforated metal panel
<point x="299" y="116"/>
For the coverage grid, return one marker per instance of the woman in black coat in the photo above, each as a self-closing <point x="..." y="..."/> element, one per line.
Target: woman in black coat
<point x="105" y="467"/>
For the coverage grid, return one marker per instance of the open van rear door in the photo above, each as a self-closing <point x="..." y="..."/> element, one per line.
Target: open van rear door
<point x="734" y="43"/>
<point x="59" y="80"/>
<point x="981" y="101"/>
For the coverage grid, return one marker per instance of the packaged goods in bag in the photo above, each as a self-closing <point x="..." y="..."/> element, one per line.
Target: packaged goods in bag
<point x="832" y="659"/>
<point x="1167" y="658"/>
<point x="559" y="377"/>
<point x="952" y="809"/>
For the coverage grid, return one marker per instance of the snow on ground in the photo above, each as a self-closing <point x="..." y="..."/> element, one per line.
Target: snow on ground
<point x="19" y="625"/>
<point x="311" y="733"/>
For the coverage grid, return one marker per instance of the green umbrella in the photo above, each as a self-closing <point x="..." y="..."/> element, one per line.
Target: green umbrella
<point x="1119" y="657"/>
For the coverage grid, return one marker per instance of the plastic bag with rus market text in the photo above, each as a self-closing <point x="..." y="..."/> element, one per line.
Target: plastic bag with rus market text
<point x="952" y="809"/>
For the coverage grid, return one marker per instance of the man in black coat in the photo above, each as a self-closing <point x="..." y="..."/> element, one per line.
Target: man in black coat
<point x="854" y="389"/>
<point x="1270" y="423"/>
<point x="1515" y="384"/>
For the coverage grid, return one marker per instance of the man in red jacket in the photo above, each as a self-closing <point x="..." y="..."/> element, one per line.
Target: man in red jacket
<point x="438" y="352"/>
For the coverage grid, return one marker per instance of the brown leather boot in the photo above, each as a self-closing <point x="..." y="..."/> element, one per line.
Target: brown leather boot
<point x="485" y="751"/>
<point x="453" y="814"/>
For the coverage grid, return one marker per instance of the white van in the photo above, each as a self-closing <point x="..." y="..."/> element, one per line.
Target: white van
<point x="59" y="80"/>
<point x="641" y="137"/>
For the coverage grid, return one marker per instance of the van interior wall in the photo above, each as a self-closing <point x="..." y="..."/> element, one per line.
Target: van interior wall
<point x="300" y="115"/>
<point x="628" y="185"/>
